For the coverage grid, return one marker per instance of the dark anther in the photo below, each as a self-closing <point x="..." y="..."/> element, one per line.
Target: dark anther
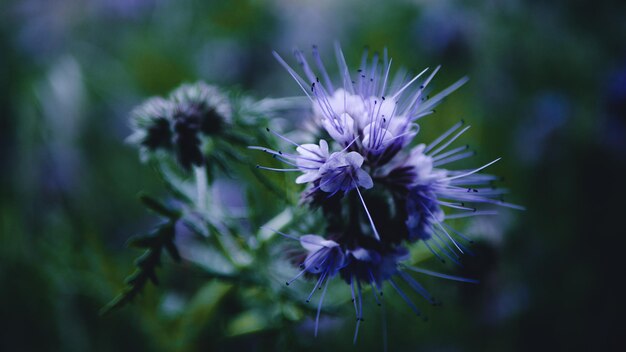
<point x="287" y="283"/>
<point x="422" y="86"/>
<point x="267" y="128"/>
<point x="383" y="98"/>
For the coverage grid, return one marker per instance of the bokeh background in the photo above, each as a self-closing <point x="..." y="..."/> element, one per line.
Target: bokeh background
<point x="547" y="94"/>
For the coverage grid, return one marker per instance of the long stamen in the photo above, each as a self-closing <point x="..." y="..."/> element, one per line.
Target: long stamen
<point x="296" y="277"/>
<point x="408" y="84"/>
<point x="454" y="158"/>
<point x="433" y="251"/>
<point x="382" y="90"/>
<point x="440" y="275"/>
<point x="449" y="153"/>
<point x="317" y="284"/>
<point x="473" y="171"/>
<point x="322" y="68"/>
<point x="292" y="142"/>
<point x="417" y="287"/>
<point x="319" y="306"/>
<point x="405" y="297"/>
<point x="305" y="65"/>
<point x="367" y="212"/>
<point x="450" y="141"/>
<point x="439" y="96"/>
<point x="442" y="228"/>
<point x="301" y="82"/>
<point x="276" y="169"/>
<point x="444" y="136"/>
<point x="465" y="215"/>
<point x="414" y="102"/>
<point x="343" y="67"/>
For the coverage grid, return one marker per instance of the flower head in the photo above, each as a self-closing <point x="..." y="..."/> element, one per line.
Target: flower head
<point x="324" y="259"/>
<point x="177" y="124"/>
<point x="151" y="124"/>
<point x="370" y="125"/>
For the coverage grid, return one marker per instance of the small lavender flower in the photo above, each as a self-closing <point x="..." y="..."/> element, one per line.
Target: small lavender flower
<point x="342" y="172"/>
<point x="324" y="259"/>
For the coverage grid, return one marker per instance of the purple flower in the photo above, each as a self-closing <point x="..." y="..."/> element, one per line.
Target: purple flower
<point x="367" y="126"/>
<point x="324" y="258"/>
<point x="370" y="123"/>
<point x="342" y="172"/>
<point x="372" y="111"/>
<point x="430" y="188"/>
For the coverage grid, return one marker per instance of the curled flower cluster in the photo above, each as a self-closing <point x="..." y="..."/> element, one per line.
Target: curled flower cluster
<point x="179" y="123"/>
<point x="369" y="163"/>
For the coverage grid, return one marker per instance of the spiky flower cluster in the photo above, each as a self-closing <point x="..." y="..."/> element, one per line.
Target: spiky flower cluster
<point x="179" y="123"/>
<point x="369" y="164"/>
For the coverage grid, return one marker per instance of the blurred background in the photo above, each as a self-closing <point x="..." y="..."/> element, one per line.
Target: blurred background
<point x="547" y="94"/>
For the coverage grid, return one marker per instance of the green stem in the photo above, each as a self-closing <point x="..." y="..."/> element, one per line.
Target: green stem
<point x="201" y="185"/>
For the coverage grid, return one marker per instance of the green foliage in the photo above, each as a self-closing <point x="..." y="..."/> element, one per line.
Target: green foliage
<point x="155" y="243"/>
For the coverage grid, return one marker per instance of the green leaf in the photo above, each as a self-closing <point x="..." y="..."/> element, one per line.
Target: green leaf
<point x="158" y="207"/>
<point x="247" y="322"/>
<point x="173" y="251"/>
<point x="143" y="241"/>
<point x="202" y="309"/>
